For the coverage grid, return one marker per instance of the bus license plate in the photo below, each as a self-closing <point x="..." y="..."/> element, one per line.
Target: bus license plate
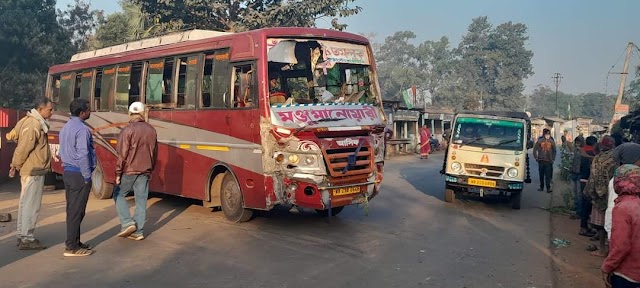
<point x="345" y="191"/>
<point x="482" y="182"/>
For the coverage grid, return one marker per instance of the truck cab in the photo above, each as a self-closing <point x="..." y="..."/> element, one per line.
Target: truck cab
<point x="487" y="155"/>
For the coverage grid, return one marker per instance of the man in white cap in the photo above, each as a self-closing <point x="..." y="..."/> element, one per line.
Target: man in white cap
<point x="137" y="150"/>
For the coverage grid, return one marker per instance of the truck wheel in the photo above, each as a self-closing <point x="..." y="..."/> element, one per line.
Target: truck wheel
<point x="99" y="188"/>
<point x="449" y="195"/>
<point x="334" y="211"/>
<point x="516" y="199"/>
<point x="232" y="202"/>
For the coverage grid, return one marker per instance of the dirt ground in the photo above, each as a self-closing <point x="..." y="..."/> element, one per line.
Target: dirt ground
<point x="573" y="267"/>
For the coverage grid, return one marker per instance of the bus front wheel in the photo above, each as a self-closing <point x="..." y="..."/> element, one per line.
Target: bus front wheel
<point x="232" y="201"/>
<point x="99" y="188"/>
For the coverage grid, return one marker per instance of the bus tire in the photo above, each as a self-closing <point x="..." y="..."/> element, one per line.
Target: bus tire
<point x="449" y="195"/>
<point x="334" y="211"/>
<point x="516" y="199"/>
<point x="99" y="188"/>
<point x="232" y="201"/>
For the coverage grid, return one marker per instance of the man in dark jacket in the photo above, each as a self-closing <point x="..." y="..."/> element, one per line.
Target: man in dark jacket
<point x="587" y="154"/>
<point x="544" y="152"/>
<point x="137" y="150"/>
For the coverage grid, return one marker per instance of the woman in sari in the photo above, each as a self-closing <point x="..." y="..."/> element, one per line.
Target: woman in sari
<point x="425" y="145"/>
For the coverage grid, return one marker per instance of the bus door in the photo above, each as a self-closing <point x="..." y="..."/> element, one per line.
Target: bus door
<point x="243" y="120"/>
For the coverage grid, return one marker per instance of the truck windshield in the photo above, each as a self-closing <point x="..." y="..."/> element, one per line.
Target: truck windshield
<point x="489" y="133"/>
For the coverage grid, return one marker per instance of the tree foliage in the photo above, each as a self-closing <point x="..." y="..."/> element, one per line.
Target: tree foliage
<point x="31" y="40"/>
<point x="489" y="65"/>
<point x="80" y="22"/>
<point x="599" y="106"/>
<point x="236" y="15"/>
<point x="129" y="25"/>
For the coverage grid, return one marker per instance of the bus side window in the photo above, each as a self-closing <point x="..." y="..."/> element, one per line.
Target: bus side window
<point x="107" y="88"/>
<point x="216" y="80"/>
<point x="135" y="83"/>
<point x="221" y="80"/>
<point x="77" y="84"/>
<point x="67" y="82"/>
<point x="187" y="86"/>
<point x="97" y="89"/>
<point x="54" y="90"/>
<point x="155" y="82"/>
<point x="123" y="79"/>
<point x="86" y="85"/>
<point x="243" y="87"/>
<point x="167" y="81"/>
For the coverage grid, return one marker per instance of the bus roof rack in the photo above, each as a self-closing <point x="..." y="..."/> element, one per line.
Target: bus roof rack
<point x="171" y="38"/>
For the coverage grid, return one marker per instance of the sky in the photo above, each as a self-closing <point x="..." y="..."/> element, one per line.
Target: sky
<point x="581" y="39"/>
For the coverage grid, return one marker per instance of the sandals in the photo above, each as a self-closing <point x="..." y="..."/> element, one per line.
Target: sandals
<point x="592" y="248"/>
<point x="587" y="233"/>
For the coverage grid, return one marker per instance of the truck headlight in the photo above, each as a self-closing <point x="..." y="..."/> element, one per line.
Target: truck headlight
<point x="512" y="172"/>
<point x="456" y="166"/>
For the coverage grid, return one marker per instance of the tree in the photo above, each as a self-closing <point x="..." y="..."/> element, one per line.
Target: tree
<point x="80" y="22"/>
<point x="435" y="61"/>
<point x="397" y="67"/>
<point x="633" y="94"/>
<point x="493" y="64"/>
<point x="245" y="15"/>
<point x="31" y="40"/>
<point x="129" y="25"/>
<point x="598" y="106"/>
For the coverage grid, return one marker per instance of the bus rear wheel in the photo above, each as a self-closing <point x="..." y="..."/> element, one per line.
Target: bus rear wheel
<point x="232" y="201"/>
<point x="99" y="188"/>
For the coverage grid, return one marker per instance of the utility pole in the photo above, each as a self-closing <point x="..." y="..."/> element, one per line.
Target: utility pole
<point x="557" y="77"/>
<point x="623" y="80"/>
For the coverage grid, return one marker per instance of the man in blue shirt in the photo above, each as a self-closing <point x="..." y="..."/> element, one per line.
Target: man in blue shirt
<point x="78" y="160"/>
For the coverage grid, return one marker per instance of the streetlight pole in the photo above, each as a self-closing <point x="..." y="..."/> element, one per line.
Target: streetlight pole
<point x="557" y="77"/>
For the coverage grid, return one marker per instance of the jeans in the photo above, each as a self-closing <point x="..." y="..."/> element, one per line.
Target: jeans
<point x="77" y="194"/>
<point x="140" y="186"/>
<point x="619" y="282"/>
<point x="546" y="172"/>
<point x="29" y="206"/>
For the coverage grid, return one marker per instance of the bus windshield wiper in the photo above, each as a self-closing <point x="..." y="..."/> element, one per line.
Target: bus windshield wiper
<point x="330" y="119"/>
<point x="472" y="141"/>
<point x="501" y="143"/>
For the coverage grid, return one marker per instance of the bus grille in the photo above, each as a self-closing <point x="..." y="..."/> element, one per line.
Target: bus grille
<point x="337" y="160"/>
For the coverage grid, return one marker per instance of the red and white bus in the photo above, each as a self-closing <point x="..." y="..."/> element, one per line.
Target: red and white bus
<point x="245" y="121"/>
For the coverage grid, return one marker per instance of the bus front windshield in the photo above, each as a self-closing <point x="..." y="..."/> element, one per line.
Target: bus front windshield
<point x="319" y="71"/>
<point x="489" y="133"/>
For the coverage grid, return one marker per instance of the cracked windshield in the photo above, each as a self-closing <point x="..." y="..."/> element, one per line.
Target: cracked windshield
<point x="313" y="71"/>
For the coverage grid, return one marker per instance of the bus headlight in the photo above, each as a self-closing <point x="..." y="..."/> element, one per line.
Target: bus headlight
<point x="456" y="166"/>
<point x="512" y="172"/>
<point x="294" y="159"/>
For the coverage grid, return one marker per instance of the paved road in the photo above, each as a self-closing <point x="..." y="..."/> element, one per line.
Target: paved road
<point x="411" y="238"/>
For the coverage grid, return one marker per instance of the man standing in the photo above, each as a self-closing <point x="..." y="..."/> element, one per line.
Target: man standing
<point x="78" y="161"/>
<point x="545" y="154"/>
<point x="137" y="150"/>
<point x="32" y="158"/>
